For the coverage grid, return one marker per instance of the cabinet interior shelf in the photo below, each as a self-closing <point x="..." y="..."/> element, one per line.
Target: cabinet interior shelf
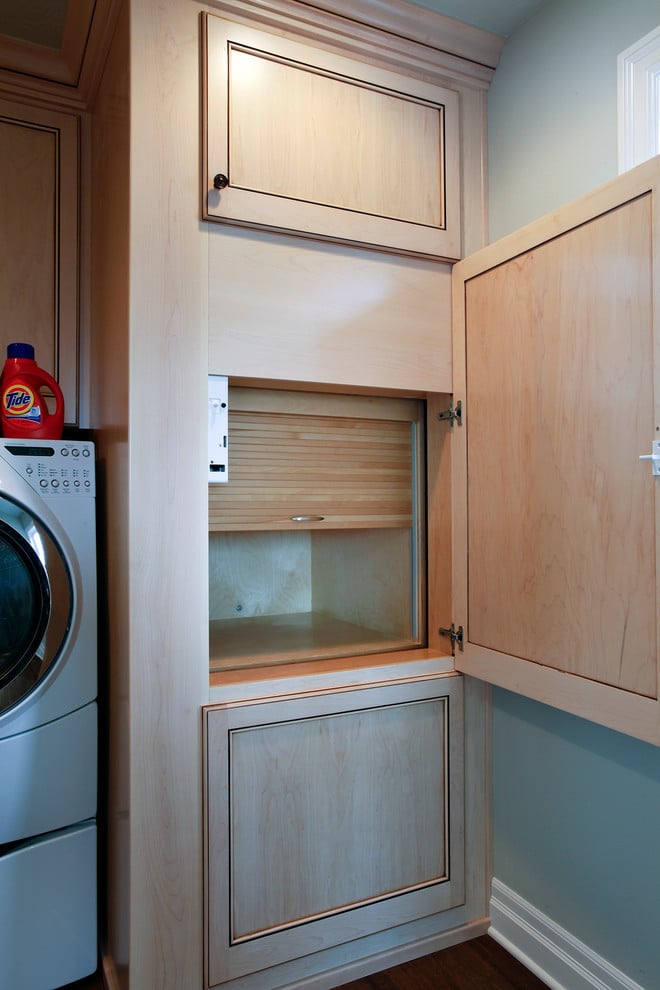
<point x="269" y="639"/>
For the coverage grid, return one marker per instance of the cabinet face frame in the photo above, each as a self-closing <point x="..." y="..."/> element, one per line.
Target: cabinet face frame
<point x="282" y="208"/>
<point x="578" y="693"/>
<point x="62" y="362"/>
<point x="430" y="599"/>
<point x="229" y="959"/>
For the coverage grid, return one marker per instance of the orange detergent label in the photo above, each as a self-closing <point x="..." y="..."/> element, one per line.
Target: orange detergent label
<point x="19" y="402"/>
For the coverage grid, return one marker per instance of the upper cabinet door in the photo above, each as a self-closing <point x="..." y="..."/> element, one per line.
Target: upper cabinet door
<point x="305" y="141"/>
<point x="39" y="230"/>
<point x="557" y="346"/>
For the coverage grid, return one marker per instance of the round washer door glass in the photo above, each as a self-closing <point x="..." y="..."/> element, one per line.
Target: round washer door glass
<point x="35" y="603"/>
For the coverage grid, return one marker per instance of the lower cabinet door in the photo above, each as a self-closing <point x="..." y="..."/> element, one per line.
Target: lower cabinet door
<point x="330" y="817"/>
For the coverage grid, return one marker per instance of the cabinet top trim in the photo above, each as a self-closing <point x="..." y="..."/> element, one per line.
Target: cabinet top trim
<point x="428" y="27"/>
<point x="392" y="34"/>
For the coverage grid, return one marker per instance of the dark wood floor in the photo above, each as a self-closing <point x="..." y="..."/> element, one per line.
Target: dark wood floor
<point x="480" y="964"/>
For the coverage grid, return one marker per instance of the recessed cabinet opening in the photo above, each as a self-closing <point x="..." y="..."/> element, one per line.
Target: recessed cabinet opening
<point x="317" y="540"/>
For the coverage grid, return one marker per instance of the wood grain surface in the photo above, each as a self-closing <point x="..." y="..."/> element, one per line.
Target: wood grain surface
<point x="479" y="964"/>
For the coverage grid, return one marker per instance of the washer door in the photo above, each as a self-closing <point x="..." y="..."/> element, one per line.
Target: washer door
<point x="36" y="603"/>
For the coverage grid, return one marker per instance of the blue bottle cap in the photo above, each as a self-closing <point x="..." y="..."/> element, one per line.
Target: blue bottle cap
<point x="20" y="351"/>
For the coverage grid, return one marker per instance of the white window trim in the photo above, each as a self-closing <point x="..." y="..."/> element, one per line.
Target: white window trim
<point x="639" y="101"/>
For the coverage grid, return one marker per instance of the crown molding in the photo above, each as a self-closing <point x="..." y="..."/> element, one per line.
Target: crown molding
<point x="394" y="33"/>
<point x="389" y="33"/>
<point x="427" y="27"/>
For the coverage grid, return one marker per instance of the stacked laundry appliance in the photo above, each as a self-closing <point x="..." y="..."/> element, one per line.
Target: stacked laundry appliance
<point x="48" y="713"/>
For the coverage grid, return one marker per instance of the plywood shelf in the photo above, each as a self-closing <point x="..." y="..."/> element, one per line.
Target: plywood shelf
<point x="273" y="639"/>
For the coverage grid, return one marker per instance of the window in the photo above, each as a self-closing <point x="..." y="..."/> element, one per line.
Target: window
<point x="639" y="101"/>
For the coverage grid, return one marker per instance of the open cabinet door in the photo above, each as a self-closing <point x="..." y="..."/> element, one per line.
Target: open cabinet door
<point x="556" y="355"/>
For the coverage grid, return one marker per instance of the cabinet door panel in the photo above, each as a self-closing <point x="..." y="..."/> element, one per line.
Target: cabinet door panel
<point x="303" y="824"/>
<point x="311" y="136"/>
<point x="557" y="340"/>
<point x="39" y="228"/>
<point x="330" y="818"/>
<point x="326" y="146"/>
<point x="27" y="167"/>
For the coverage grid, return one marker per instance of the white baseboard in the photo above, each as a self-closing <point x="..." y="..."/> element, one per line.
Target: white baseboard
<point x="549" y="951"/>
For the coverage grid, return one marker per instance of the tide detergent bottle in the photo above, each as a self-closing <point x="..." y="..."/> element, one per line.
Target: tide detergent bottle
<point x="23" y="410"/>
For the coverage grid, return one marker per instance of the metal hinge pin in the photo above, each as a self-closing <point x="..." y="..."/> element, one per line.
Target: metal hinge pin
<point x="454" y="413"/>
<point x="455" y="635"/>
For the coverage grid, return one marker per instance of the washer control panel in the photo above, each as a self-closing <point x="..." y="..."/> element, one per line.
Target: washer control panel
<point x="53" y="467"/>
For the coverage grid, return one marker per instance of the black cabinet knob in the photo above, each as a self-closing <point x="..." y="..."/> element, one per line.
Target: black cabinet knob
<point x="220" y="181"/>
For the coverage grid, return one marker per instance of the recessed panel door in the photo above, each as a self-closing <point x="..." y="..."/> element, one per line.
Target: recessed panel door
<point x="39" y="226"/>
<point x="558" y="591"/>
<point x="330" y="817"/>
<point x="301" y="140"/>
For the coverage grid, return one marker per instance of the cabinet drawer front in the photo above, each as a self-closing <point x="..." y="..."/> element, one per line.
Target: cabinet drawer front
<point x="322" y="145"/>
<point x="330" y="818"/>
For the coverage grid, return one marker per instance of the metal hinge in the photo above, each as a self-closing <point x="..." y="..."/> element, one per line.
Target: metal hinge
<point x="454" y="413"/>
<point x="455" y="635"/>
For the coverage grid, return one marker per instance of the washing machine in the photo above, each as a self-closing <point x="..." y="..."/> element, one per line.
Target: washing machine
<point x="48" y="713"/>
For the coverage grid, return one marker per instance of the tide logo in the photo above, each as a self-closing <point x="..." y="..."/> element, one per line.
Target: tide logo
<point x="18" y="400"/>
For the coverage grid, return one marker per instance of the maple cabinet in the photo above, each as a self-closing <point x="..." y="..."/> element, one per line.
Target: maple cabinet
<point x="554" y="530"/>
<point x="160" y="278"/>
<point x="300" y="139"/>
<point x="548" y="450"/>
<point x="557" y="523"/>
<point x="39" y="229"/>
<point x="334" y="751"/>
<point x="330" y="817"/>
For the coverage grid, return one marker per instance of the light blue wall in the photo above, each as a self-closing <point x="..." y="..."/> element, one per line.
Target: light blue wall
<point x="553" y="105"/>
<point x="487" y="14"/>
<point x="576" y="813"/>
<point x="576" y="806"/>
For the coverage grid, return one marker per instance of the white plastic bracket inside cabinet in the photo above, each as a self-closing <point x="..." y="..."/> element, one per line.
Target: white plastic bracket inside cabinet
<point x="218" y="429"/>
